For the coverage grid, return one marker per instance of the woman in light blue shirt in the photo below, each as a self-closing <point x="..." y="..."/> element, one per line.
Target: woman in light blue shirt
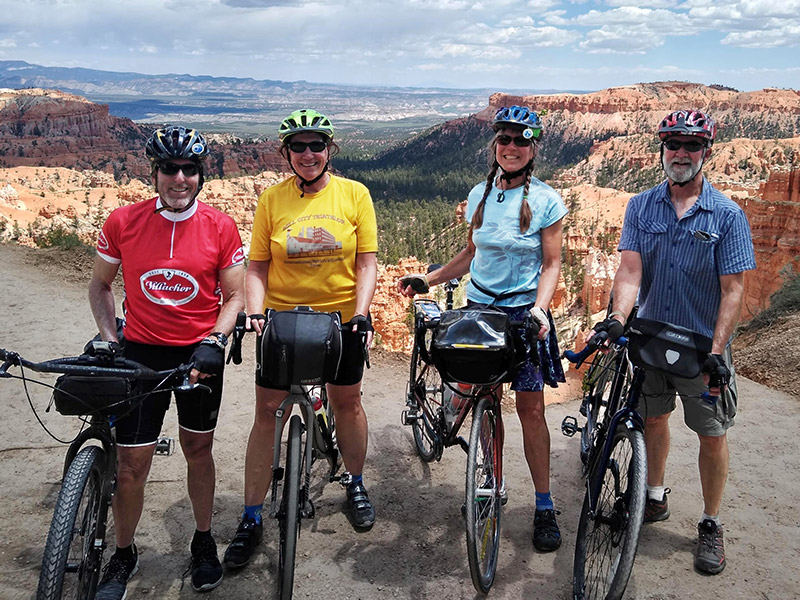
<point x="513" y="254"/>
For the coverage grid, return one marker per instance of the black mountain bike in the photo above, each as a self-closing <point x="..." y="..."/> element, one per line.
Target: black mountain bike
<point x="612" y="447"/>
<point x="312" y="435"/>
<point x="97" y="388"/>
<point x="615" y="468"/>
<point x="429" y="397"/>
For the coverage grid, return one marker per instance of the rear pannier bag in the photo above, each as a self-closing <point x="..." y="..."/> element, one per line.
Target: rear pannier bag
<point x="85" y="395"/>
<point x="473" y="346"/>
<point x="301" y="346"/>
<point x="666" y="347"/>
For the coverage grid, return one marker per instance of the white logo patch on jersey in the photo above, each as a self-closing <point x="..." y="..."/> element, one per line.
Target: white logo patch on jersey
<point x="169" y="287"/>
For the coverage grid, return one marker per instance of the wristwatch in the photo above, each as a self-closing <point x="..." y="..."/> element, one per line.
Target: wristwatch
<point x="218" y="338"/>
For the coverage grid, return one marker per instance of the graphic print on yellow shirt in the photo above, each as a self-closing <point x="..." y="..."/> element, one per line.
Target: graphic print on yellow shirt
<point x="312" y="242"/>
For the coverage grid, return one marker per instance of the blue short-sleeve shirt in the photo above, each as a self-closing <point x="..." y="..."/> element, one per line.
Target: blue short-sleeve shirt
<point x="507" y="260"/>
<point x="682" y="259"/>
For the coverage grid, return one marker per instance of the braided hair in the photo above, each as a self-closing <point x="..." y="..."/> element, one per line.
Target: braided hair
<point x="525" y="213"/>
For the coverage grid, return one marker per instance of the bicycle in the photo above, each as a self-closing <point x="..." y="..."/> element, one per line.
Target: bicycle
<point x="292" y="503"/>
<point x="613" y="455"/>
<point x="73" y="553"/>
<point x="484" y="492"/>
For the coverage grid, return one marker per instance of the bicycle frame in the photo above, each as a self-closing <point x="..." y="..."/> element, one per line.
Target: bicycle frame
<point x="301" y="396"/>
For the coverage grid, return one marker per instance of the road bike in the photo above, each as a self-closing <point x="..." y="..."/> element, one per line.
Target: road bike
<point x="97" y="387"/>
<point x="613" y="456"/>
<point x="430" y="395"/>
<point x="311" y="436"/>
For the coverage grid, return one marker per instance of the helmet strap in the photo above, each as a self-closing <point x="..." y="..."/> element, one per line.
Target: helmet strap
<point x="508" y="177"/>
<point x="688" y="181"/>
<point x="307" y="182"/>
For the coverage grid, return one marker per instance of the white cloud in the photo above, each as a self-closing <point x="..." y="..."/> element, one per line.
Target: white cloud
<point x="8" y="43"/>
<point x="786" y="36"/>
<point x="620" y="40"/>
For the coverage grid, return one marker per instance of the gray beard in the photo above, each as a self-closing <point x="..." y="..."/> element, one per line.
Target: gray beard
<point x="681" y="174"/>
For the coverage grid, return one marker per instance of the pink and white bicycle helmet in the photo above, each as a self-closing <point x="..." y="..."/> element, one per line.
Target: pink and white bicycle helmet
<point x="688" y="122"/>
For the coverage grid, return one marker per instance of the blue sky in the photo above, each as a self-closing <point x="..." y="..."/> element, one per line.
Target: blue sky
<point x="503" y="44"/>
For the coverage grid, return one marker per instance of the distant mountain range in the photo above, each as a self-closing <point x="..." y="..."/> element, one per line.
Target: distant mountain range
<point x="251" y="106"/>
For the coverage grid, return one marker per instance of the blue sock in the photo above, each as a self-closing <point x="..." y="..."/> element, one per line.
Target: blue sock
<point x="354" y="479"/>
<point x="544" y="501"/>
<point x="253" y="512"/>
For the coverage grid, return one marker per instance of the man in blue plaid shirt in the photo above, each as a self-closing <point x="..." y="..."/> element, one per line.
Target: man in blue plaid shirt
<point x="685" y="247"/>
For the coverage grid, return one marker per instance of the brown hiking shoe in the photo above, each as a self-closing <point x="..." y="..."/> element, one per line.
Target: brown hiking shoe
<point x="657" y="510"/>
<point x="710" y="556"/>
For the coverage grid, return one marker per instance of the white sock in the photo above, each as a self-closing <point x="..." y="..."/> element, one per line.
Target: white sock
<point x="655" y="492"/>
<point x="714" y="519"/>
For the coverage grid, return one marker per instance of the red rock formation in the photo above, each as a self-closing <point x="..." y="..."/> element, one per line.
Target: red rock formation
<point x="774" y="215"/>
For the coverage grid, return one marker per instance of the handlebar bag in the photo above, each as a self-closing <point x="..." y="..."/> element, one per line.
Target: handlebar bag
<point x="85" y="395"/>
<point x="473" y="346"/>
<point x="670" y="348"/>
<point x="301" y="346"/>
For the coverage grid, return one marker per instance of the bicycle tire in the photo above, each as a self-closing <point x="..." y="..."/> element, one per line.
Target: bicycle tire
<point x="606" y="543"/>
<point x="424" y="385"/>
<point x="71" y="547"/>
<point x="289" y="519"/>
<point x="483" y="504"/>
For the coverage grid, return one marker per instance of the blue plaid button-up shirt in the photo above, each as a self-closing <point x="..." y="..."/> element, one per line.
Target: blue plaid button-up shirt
<point x="682" y="259"/>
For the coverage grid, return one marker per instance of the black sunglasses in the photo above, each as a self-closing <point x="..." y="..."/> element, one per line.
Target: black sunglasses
<point x="691" y="146"/>
<point x="171" y="168"/>
<point x="300" y="147"/>
<point x="519" y="141"/>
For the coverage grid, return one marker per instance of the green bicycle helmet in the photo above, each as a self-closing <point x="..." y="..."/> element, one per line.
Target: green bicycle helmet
<point x="305" y="119"/>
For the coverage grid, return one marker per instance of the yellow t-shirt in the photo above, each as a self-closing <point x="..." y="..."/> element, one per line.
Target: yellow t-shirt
<point x="312" y="243"/>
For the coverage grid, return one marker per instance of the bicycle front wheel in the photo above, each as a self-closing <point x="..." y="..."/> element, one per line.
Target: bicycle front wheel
<point x="72" y="556"/>
<point x="607" y="540"/>
<point x="425" y="385"/>
<point x="289" y="517"/>
<point x="483" y="497"/>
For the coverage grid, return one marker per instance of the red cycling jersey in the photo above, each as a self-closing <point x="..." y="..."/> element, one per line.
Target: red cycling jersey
<point x="170" y="268"/>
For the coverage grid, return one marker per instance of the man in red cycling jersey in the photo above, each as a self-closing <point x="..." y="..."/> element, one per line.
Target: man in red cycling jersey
<point x="183" y="271"/>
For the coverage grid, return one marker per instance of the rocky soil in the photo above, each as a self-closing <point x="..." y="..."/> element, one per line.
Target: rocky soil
<point x="416" y="549"/>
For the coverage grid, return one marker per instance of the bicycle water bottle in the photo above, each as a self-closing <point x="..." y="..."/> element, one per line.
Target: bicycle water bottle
<point x="321" y="431"/>
<point x="448" y="405"/>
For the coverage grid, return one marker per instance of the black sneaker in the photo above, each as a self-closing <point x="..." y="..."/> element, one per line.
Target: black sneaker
<point x="116" y="574"/>
<point x="546" y="535"/>
<point x="205" y="566"/>
<point x="710" y="556"/>
<point x="248" y="535"/>
<point x="361" y="510"/>
<point x="656" y="510"/>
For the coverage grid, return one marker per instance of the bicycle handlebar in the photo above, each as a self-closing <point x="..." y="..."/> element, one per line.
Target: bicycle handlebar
<point x="598" y="339"/>
<point x="108" y="365"/>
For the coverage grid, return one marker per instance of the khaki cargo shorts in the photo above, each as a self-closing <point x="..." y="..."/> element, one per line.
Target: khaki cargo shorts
<point x="705" y="417"/>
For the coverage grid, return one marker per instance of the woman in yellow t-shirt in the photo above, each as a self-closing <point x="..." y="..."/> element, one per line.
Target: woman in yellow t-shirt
<point x="313" y="244"/>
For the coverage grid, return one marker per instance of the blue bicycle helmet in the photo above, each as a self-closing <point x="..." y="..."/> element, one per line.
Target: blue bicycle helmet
<point x="519" y="115"/>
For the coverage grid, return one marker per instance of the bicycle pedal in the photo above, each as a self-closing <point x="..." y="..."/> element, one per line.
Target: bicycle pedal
<point x="569" y="426"/>
<point x="165" y="446"/>
<point x="407" y="418"/>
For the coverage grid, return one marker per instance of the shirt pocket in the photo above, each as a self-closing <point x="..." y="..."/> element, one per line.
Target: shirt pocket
<point x="697" y="250"/>
<point x="652" y="236"/>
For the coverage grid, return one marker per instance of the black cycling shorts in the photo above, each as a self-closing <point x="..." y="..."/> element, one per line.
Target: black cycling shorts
<point x="197" y="410"/>
<point x="351" y="367"/>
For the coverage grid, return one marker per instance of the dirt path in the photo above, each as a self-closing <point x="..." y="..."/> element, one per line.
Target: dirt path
<point x="416" y="549"/>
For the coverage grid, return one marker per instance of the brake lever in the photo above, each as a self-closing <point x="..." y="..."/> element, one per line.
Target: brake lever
<point x="235" y="353"/>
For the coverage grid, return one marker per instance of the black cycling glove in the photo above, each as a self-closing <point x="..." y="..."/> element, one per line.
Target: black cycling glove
<point x="718" y="372"/>
<point x="611" y="327"/>
<point x="209" y="357"/>
<point x="361" y="323"/>
<point x="97" y="347"/>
